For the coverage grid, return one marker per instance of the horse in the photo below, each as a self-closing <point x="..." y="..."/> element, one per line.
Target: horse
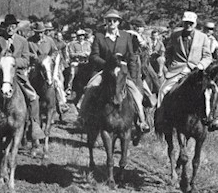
<point x="41" y="78"/>
<point x="111" y="112"/>
<point x="190" y="110"/>
<point x="13" y="113"/>
<point x="83" y="73"/>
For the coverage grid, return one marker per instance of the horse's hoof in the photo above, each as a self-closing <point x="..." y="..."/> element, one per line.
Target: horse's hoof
<point x="92" y="166"/>
<point x="111" y="184"/>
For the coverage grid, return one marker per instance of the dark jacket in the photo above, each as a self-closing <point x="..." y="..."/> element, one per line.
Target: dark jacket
<point x="103" y="48"/>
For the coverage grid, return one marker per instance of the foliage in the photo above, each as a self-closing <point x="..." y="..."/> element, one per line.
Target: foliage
<point x="80" y="13"/>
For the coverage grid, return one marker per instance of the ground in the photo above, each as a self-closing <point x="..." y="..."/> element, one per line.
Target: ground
<point x="66" y="170"/>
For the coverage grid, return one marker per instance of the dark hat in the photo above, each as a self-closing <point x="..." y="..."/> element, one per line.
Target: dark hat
<point x="10" y="19"/>
<point x="39" y="27"/>
<point x="138" y="22"/>
<point x="112" y="14"/>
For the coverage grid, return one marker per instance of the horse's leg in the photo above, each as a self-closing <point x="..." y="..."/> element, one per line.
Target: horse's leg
<point x="49" y="118"/>
<point x="14" y="150"/>
<point x="184" y="183"/>
<point x="196" y="160"/>
<point x="4" y="161"/>
<point x="92" y="136"/>
<point x="108" y="144"/>
<point x="171" y="153"/>
<point x="124" y="147"/>
<point x="35" y="148"/>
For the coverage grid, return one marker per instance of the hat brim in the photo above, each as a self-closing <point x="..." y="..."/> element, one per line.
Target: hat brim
<point x="189" y="20"/>
<point x="112" y="15"/>
<point x="12" y="22"/>
<point x="35" y="30"/>
<point x="49" y="28"/>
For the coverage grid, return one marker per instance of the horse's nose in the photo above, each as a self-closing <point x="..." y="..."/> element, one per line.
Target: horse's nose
<point x="7" y="90"/>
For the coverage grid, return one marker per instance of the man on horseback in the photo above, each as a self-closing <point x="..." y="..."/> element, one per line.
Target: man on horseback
<point x="187" y="49"/>
<point x="12" y="44"/>
<point x="41" y="46"/>
<point x="104" y="47"/>
<point x="77" y="52"/>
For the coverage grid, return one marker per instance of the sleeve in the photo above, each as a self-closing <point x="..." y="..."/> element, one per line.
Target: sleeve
<point x="95" y="56"/>
<point x="169" y="51"/>
<point x="23" y="60"/>
<point x="206" y="54"/>
<point x="131" y="63"/>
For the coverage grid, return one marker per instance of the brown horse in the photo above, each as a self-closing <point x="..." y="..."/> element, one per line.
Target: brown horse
<point x="41" y="77"/>
<point x="13" y="112"/>
<point x="111" y="112"/>
<point x="188" y="111"/>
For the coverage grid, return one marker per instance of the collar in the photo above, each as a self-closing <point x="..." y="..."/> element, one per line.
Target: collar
<point x="117" y="33"/>
<point x="188" y="34"/>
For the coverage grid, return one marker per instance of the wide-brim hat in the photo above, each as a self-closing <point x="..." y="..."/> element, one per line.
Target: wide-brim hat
<point x="39" y="27"/>
<point x="112" y="14"/>
<point x="49" y="26"/>
<point x="138" y="22"/>
<point x="190" y="16"/>
<point x="10" y="19"/>
<point x="210" y="25"/>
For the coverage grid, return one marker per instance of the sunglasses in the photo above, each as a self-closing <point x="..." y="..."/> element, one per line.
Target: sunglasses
<point x="112" y="20"/>
<point x="208" y="28"/>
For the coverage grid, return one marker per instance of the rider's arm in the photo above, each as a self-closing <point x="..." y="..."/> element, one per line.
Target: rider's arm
<point x="131" y="63"/>
<point x="95" y="56"/>
<point x="206" y="54"/>
<point x="23" y="60"/>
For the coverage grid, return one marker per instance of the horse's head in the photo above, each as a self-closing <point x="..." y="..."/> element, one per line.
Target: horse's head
<point x="116" y="79"/>
<point x="8" y="71"/>
<point x="211" y="95"/>
<point x="47" y="70"/>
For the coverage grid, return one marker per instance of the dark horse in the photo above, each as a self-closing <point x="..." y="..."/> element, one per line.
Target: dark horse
<point x="83" y="73"/>
<point x="13" y="112"/>
<point x="41" y="77"/>
<point x="111" y="112"/>
<point x="190" y="110"/>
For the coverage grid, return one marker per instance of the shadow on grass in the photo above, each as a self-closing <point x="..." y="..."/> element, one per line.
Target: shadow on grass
<point x="71" y="142"/>
<point x="48" y="174"/>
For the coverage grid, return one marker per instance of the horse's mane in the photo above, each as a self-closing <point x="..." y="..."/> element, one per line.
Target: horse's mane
<point x="187" y="97"/>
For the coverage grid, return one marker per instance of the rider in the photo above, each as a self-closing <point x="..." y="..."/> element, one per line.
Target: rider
<point x="157" y="53"/>
<point x="78" y="52"/>
<point x="12" y="44"/>
<point x="40" y="46"/>
<point x="188" y="48"/>
<point x="114" y="41"/>
<point x="209" y="30"/>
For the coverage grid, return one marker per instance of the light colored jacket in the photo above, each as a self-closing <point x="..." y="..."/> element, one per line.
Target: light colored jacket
<point x="177" y="59"/>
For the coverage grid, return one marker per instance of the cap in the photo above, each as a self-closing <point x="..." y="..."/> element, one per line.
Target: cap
<point x="190" y="16"/>
<point x="80" y="32"/>
<point x="210" y="25"/>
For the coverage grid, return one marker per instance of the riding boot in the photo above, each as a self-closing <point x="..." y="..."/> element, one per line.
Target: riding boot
<point x="37" y="132"/>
